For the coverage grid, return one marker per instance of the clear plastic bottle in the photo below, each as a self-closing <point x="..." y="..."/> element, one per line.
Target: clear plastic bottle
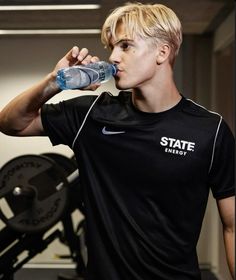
<point x="81" y="76"/>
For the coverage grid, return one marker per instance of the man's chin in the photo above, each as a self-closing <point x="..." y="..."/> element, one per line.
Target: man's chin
<point x="122" y="87"/>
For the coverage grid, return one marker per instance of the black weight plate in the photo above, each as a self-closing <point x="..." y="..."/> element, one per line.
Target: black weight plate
<point x="68" y="165"/>
<point x="45" y="178"/>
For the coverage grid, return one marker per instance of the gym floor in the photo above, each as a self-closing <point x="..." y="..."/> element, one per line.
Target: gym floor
<point x="52" y="274"/>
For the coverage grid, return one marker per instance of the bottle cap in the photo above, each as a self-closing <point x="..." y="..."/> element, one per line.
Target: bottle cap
<point x="114" y="69"/>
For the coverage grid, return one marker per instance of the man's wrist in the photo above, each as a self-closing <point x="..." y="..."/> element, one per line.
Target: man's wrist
<point x="52" y="87"/>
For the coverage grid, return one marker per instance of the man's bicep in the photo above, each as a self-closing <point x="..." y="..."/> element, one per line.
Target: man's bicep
<point x="226" y="208"/>
<point x="35" y="128"/>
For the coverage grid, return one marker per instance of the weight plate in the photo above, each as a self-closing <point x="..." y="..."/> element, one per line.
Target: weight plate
<point x="69" y="165"/>
<point x="33" y="193"/>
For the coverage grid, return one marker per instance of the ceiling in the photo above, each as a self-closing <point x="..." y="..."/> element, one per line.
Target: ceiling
<point x="197" y="16"/>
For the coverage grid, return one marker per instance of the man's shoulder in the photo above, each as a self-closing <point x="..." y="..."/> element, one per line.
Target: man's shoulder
<point x="194" y="109"/>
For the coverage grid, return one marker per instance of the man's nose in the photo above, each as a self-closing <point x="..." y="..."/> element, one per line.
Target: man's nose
<point x="114" y="57"/>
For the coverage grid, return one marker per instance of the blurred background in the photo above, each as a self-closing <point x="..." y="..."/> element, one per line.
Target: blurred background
<point x="34" y="35"/>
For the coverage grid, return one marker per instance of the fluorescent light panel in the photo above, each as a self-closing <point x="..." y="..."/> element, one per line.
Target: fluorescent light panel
<point x="50" y="7"/>
<point x="48" y="31"/>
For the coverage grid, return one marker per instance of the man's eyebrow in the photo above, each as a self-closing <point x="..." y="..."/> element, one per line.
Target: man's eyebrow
<point x="120" y="41"/>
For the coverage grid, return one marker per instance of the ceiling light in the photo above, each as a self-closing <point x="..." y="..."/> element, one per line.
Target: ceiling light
<point x="50" y="7"/>
<point x="49" y="31"/>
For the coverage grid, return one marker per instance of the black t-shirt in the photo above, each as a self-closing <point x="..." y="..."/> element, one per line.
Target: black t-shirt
<point x="146" y="179"/>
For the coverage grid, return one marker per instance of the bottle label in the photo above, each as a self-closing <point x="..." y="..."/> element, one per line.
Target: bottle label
<point x="88" y="76"/>
<point x="102" y="75"/>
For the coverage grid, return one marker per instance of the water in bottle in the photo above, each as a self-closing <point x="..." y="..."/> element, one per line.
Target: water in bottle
<point x="81" y="76"/>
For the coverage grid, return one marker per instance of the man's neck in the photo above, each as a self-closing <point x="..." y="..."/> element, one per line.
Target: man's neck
<point x="157" y="98"/>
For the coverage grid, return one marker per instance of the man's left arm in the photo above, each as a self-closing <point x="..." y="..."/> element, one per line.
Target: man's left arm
<point x="226" y="208"/>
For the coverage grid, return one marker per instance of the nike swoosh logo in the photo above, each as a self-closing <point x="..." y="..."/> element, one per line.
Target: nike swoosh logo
<point x="109" y="132"/>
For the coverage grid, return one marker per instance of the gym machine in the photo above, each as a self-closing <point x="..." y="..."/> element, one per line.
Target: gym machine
<point x="36" y="192"/>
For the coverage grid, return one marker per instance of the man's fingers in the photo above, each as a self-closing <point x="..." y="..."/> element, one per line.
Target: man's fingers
<point x="75" y="55"/>
<point x="72" y="54"/>
<point x="82" y="54"/>
<point x="90" y="59"/>
<point x="87" y="60"/>
<point x="94" y="59"/>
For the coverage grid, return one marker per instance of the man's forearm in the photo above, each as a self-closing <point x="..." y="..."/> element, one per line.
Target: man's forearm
<point x="229" y="235"/>
<point x="19" y="114"/>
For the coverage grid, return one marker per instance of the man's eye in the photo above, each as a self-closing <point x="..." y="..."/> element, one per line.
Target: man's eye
<point x="124" y="46"/>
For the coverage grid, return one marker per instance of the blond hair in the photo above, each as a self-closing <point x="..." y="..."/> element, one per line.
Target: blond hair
<point x="147" y="21"/>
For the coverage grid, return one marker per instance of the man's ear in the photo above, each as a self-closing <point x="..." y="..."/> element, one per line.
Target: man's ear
<point x="163" y="53"/>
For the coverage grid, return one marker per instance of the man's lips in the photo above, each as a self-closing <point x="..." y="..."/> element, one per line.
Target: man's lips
<point x="119" y="71"/>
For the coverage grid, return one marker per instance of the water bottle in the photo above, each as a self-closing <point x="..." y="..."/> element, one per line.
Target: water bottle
<point x="81" y="76"/>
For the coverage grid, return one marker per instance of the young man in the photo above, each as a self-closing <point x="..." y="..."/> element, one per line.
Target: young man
<point x="147" y="157"/>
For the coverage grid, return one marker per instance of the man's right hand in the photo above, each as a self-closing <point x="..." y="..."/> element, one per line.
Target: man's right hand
<point x="21" y="116"/>
<point x="74" y="57"/>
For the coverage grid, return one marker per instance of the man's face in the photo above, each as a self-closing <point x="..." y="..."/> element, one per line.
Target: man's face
<point x="135" y="59"/>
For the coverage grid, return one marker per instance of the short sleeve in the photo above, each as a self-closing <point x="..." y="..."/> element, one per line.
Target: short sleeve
<point x="62" y="121"/>
<point x="221" y="175"/>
